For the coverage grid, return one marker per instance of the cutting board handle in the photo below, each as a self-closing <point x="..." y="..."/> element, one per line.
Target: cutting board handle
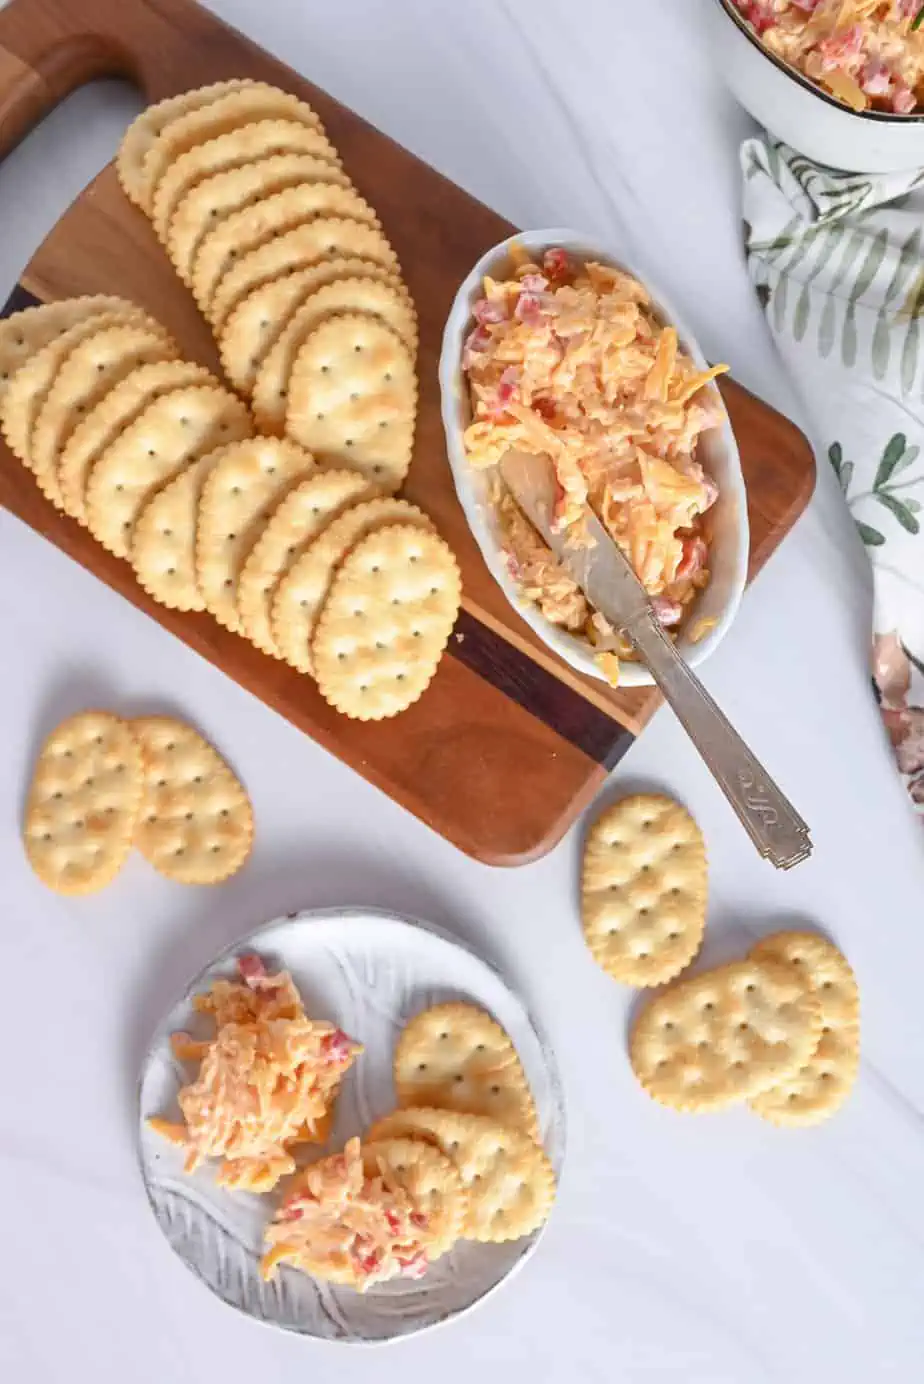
<point x="46" y="52"/>
<point x="48" y="48"/>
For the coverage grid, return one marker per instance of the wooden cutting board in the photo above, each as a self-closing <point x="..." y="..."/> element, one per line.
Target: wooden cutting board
<point x="508" y="744"/>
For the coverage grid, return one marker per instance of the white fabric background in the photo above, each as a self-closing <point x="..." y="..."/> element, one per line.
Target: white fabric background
<point x="714" y="1250"/>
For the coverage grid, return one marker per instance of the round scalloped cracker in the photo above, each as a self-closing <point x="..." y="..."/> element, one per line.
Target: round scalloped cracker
<point x="822" y="967"/>
<point x="258" y="223"/>
<point x="164" y="538"/>
<point x="508" y="1178"/>
<point x="83" y="803"/>
<point x="819" y="1088"/>
<point x="725" y="1035"/>
<point x="196" y="822"/>
<point x="374" y="296"/>
<point x="386" y="621"/>
<point x="176" y="429"/>
<point x="250" y="104"/>
<point x="291" y="529"/>
<point x="92" y="369"/>
<point x="252" y="331"/>
<point x="353" y="390"/>
<point x="29" y="388"/>
<point x="125" y="402"/>
<point x="456" y="1057"/>
<point x="302" y="592"/>
<point x="26" y="333"/>
<point x="644" y="890"/>
<point x="145" y="130"/>
<point x="325" y="238"/>
<point x="430" y="1179"/>
<point x="244" y="147"/>
<point x="220" y="195"/>
<point x="240" y="492"/>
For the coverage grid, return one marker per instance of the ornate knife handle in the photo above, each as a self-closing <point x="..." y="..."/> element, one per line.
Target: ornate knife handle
<point x="771" y="821"/>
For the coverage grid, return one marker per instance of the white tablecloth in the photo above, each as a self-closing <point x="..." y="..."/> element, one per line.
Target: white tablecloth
<point x="715" y="1250"/>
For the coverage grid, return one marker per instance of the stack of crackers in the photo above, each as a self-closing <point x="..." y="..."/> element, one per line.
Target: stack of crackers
<point x="286" y="532"/>
<point x="779" y="1030"/>
<point x="102" y="785"/>
<point x="462" y="1090"/>
<point x="289" y="265"/>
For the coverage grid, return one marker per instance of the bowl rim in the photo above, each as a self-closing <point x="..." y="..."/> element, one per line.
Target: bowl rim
<point x="876" y="117"/>
<point x="565" y="645"/>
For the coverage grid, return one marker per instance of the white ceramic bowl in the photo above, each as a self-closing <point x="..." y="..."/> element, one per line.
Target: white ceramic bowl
<point x="800" y="113"/>
<point x="717" y="452"/>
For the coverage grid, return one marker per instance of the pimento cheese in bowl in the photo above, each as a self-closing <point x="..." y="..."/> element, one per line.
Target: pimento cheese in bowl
<point x="556" y="350"/>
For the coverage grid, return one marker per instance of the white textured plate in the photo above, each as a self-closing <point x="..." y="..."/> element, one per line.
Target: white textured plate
<point x="717" y="451"/>
<point x="368" y="972"/>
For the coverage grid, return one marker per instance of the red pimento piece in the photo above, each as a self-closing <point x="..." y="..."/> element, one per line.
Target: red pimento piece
<point x="842" y="48"/>
<point x="251" y="969"/>
<point x="556" y="266"/>
<point x="414" y="1265"/>
<point x="489" y="310"/>
<point x="693" y="560"/>
<point x="337" y="1046"/>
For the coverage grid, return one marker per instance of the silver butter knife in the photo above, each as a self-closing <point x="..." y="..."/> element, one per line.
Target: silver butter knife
<point x="608" y="580"/>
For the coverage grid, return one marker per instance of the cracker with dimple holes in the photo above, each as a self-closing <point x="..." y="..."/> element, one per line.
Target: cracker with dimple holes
<point x="291" y="529"/>
<point x="215" y="197"/>
<point x="259" y="143"/>
<point x="353" y="390"/>
<point x="164" y="538"/>
<point x="26" y="333"/>
<point x="260" y="222"/>
<point x="375" y="297"/>
<point x="325" y="238"/>
<point x="83" y="803"/>
<point x="644" y="888"/>
<point x="259" y="321"/>
<point x="387" y="619"/>
<point x="509" y="1179"/>
<point x="173" y="431"/>
<point x="196" y="822"/>
<point x="240" y="492"/>
<point x="125" y="402"/>
<point x="145" y="130"/>
<point x="725" y="1035"/>
<point x="821" y="1086"/>
<point x="432" y="1182"/>
<point x="91" y="370"/>
<point x="29" y="388"/>
<point x="456" y="1057"/>
<point x="232" y="111"/>
<point x="301" y="593"/>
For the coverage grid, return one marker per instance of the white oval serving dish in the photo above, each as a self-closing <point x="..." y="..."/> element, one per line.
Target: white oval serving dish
<point x="800" y="113"/>
<point x="717" y="452"/>
<point x="368" y="972"/>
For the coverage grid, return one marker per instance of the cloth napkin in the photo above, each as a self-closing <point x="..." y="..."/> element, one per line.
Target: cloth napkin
<point x="838" y="263"/>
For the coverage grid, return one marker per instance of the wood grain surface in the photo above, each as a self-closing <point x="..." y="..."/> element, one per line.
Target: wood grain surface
<point x="509" y="743"/>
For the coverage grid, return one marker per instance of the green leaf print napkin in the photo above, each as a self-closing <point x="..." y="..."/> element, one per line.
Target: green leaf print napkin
<point x="838" y="263"/>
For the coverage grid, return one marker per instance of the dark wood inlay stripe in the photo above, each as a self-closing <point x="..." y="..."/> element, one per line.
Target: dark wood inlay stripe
<point x="538" y="691"/>
<point x="19" y="299"/>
